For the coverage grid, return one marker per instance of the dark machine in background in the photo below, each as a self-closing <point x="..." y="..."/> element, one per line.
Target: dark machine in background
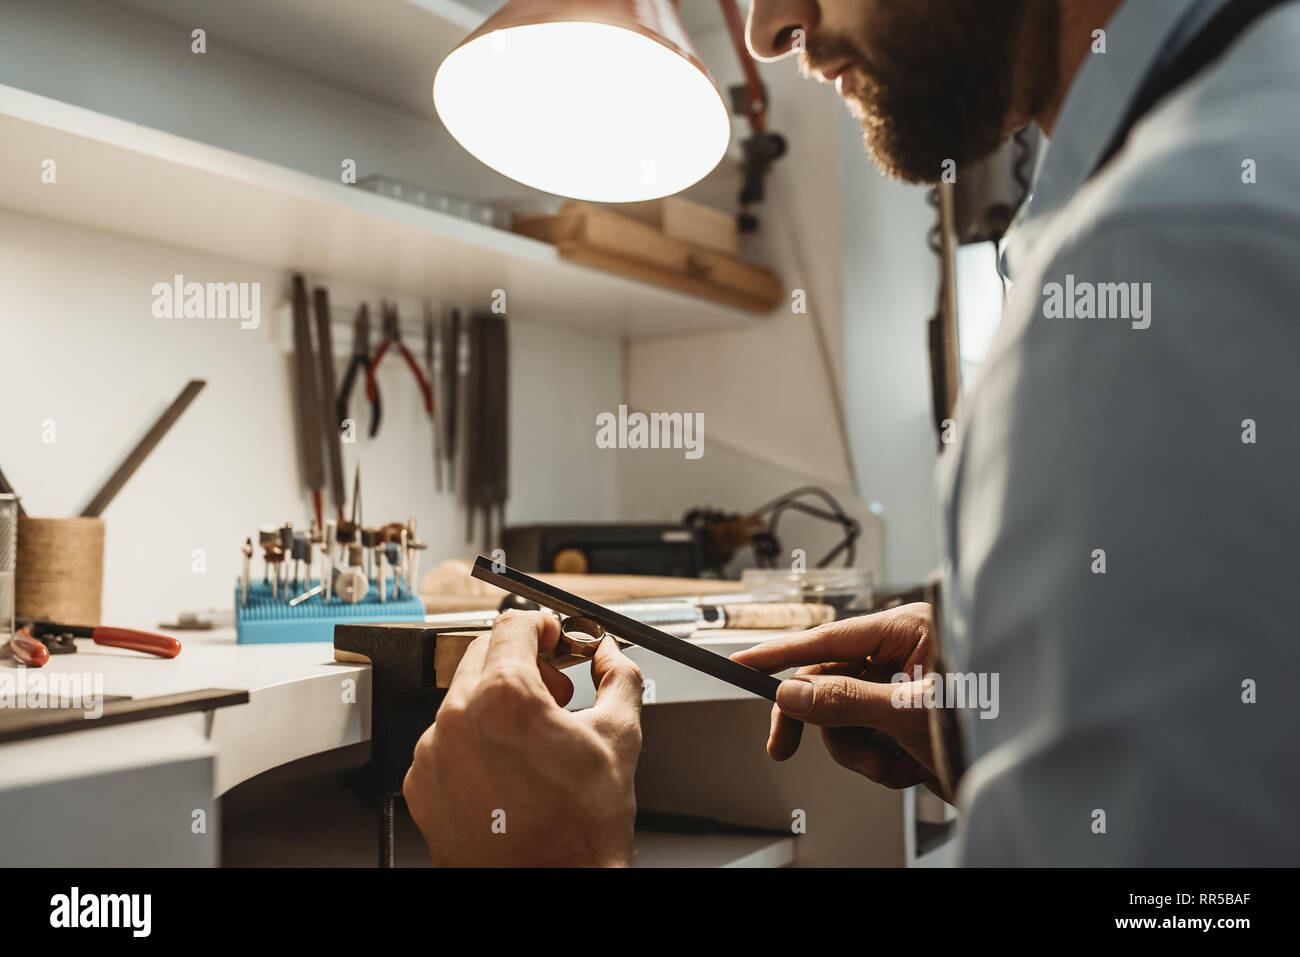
<point x="701" y="546"/>
<point x="614" y="548"/>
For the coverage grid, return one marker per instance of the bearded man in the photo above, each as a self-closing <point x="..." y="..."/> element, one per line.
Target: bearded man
<point x="1118" y="519"/>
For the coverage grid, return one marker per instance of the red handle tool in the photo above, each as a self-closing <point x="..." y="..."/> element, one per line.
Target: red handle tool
<point x="28" y="650"/>
<point x="151" y="644"/>
<point x="31" y="644"/>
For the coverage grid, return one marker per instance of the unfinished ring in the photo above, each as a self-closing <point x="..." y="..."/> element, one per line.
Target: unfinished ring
<point x="581" y="636"/>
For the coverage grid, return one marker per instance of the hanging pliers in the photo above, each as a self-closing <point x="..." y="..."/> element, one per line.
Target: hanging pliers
<point x="360" y="363"/>
<point x="393" y="337"/>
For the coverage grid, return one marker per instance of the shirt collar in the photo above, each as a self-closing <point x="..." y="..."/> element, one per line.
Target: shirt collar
<point x="1141" y="36"/>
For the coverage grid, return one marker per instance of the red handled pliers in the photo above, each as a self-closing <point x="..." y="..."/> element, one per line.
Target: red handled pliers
<point x="360" y="363"/>
<point x="36" y="641"/>
<point x="393" y="336"/>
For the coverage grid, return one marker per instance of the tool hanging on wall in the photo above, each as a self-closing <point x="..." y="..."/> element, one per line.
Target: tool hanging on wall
<point x="311" y="459"/>
<point x="468" y="459"/>
<point x="485" y="422"/>
<point x="453" y="361"/>
<point x="142" y="450"/>
<point x="329" y="430"/>
<point x="433" y="368"/>
<point x="359" y="363"/>
<point x="392" y="327"/>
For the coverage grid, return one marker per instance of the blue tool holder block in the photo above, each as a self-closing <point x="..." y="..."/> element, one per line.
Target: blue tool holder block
<point x="264" y="621"/>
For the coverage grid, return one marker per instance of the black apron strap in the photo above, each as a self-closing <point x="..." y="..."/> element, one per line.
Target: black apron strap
<point x="1206" y="47"/>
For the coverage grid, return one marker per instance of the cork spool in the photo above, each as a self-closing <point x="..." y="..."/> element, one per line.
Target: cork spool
<point x="60" y="571"/>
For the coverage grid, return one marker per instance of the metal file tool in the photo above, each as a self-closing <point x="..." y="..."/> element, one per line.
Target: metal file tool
<point x="677" y="649"/>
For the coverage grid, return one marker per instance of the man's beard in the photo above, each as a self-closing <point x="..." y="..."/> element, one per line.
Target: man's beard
<point x="934" y="87"/>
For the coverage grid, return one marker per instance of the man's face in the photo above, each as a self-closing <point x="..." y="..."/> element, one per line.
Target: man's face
<point x="931" y="80"/>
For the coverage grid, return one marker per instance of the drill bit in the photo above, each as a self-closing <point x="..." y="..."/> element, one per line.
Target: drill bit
<point x="286" y="552"/>
<point x="301" y="553"/>
<point x="247" y="550"/>
<point x="274" y="554"/>
<point x="402" y="554"/>
<point x="327" y="569"/>
<point x="416" y="547"/>
<point x="265" y="537"/>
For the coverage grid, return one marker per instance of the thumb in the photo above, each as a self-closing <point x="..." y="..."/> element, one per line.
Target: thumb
<point x="618" y="684"/>
<point x="837" y="701"/>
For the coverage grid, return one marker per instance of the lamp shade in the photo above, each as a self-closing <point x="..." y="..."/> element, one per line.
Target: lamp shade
<point x="600" y="100"/>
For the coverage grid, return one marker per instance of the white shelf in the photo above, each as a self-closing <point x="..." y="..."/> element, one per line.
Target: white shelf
<point x="387" y="49"/>
<point x="124" y="178"/>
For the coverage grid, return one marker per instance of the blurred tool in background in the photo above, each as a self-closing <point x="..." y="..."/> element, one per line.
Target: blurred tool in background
<point x="292" y="604"/>
<point x="682" y="616"/>
<point x="485" y="470"/>
<point x="704" y="544"/>
<point x="311" y="459"/>
<point x="722" y="535"/>
<point x="35" y="641"/>
<point x="247" y="551"/>
<point x="450" y="396"/>
<point x="359" y="363"/>
<point x="392" y="326"/>
<point x="433" y="370"/>
<point x="329" y="430"/>
<point x="10" y="509"/>
<point x="136" y="458"/>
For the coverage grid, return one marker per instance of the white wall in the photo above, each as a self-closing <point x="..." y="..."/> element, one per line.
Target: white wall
<point x="857" y="242"/>
<point x="74" y="311"/>
<point x="81" y="347"/>
<point x="764" y="390"/>
<point x="890" y="289"/>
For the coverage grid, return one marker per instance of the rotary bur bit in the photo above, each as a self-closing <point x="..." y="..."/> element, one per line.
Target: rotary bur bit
<point x="265" y="537"/>
<point x="247" y="551"/>
<point x="274" y="555"/>
<point x="347" y="534"/>
<point x="403" y="554"/>
<point x="301" y="553"/>
<point x="286" y="551"/>
<point x="350" y="582"/>
<point x="327" y="571"/>
<point x="393" y="555"/>
<point x="413" y="548"/>
<point x="369" y="544"/>
<point x="381" y="570"/>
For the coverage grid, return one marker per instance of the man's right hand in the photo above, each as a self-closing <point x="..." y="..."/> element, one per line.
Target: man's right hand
<point x="843" y="685"/>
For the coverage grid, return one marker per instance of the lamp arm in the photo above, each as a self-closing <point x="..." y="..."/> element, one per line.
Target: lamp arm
<point x="755" y="92"/>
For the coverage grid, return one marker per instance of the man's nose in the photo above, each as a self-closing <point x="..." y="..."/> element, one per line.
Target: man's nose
<point x="776" y="25"/>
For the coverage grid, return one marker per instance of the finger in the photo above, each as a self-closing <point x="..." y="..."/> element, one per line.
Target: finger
<point x="467" y="675"/>
<point x="618" y="682"/>
<point x="556" y="681"/>
<point x="851" y="749"/>
<point x="786" y="732"/>
<point x="516" y="639"/>
<point x="890" y="635"/>
<point x="783" y="740"/>
<point x="838" y="701"/>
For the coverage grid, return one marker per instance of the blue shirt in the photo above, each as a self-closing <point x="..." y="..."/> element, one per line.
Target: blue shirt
<point x="1121" y="521"/>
